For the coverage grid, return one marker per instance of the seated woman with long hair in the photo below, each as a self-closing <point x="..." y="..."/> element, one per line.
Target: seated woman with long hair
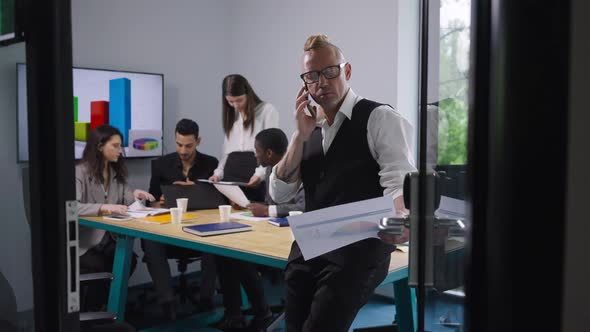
<point x="101" y="189"/>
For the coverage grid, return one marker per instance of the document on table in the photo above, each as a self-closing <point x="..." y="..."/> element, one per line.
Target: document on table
<point x="138" y="210"/>
<point x="234" y="193"/>
<point x="246" y="215"/>
<point x="227" y="183"/>
<point x="321" y="231"/>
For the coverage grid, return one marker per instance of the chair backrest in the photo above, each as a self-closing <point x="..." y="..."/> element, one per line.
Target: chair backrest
<point x="183" y="262"/>
<point x="239" y="166"/>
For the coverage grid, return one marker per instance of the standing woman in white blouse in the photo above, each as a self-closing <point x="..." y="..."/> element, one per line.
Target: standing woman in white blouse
<point x="244" y="115"/>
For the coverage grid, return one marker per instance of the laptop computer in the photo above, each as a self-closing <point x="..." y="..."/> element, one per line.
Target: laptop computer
<point x="200" y="196"/>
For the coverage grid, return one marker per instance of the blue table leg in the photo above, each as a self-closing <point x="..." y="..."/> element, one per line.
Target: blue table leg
<point x="245" y="303"/>
<point x="405" y="306"/>
<point x="121" y="266"/>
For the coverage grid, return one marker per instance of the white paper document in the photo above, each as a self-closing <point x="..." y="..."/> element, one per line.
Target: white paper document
<point x="227" y="183"/>
<point x="321" y="231"/>
<point x="234" y="193"/>
<point x="246" y="215"/>
<point x="137" y="209"/>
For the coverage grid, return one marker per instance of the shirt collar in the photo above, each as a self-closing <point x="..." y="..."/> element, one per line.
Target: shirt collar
<point x="178" y="162"/>
<point x="346" y="108"/>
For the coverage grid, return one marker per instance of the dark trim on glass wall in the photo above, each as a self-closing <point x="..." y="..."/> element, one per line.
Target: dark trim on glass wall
<point x="48" y="35"/>
<point x="518" y="164"/>
<point x="423" y="192"/>
<point x="477" y="167"/>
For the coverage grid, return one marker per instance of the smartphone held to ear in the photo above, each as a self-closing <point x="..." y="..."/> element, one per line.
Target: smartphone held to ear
<point x="310" y="109"/>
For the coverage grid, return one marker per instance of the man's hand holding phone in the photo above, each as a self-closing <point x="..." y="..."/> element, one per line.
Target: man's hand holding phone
<point x="310" y="108"/>
<point x="305" y="123"/>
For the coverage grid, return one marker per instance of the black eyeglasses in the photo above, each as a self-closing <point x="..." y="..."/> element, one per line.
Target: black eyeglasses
<point x="328" y="72"/>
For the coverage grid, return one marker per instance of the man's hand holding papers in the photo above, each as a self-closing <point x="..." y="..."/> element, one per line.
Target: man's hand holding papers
<point x="400" y="211"/>
<point x="321" y="231"/>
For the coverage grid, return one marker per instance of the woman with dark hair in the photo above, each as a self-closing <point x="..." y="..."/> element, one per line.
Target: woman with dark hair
<point x="101" y="189"/>
<point x="244" y="115"/>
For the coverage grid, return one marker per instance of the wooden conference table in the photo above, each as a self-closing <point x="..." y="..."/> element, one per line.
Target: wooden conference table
<point x="265" y="244"/>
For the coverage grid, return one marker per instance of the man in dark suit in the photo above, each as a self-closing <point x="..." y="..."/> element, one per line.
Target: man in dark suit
<point x="182" y="167"/>
<point x="348" y="149"/>
<point x="270" y="146"/>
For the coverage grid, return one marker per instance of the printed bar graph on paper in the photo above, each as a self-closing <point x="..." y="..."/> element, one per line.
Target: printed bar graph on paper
<point x="99" y="113"/>
<point x="120" y="106"/>
<point x="81" y="130"/>
<point x="75" y="108"/>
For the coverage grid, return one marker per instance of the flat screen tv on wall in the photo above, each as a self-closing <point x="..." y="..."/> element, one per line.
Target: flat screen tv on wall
<point x="129" y="101"/>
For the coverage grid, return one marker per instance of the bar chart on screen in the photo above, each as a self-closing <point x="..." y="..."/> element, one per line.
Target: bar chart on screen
<point x="129" y="101"/>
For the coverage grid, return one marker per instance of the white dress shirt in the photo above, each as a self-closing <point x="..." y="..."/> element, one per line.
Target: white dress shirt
<point x="389" y="137"/>
<point x="242" y="139"/>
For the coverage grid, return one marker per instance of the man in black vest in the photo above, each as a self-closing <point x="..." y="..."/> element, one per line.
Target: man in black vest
<point x="348" y="149"/>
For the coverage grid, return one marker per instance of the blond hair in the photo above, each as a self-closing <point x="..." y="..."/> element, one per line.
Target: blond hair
<point x="315" y="42"/>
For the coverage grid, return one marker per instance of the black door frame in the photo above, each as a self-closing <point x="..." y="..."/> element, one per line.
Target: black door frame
<point x="48" y="36"/>
<point x="517" y="164"/>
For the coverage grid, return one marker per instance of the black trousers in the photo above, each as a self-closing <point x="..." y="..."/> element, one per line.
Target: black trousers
<point x="156" y="257"/>
<point x="94" y="295"/>
<point x="323" y="296"/>
<point x="232" y="273"/>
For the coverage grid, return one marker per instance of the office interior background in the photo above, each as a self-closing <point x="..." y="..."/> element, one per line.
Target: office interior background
<point x="196" y="43"/>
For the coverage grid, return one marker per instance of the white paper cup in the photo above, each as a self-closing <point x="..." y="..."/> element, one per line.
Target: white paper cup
<point x="176" y="215"/>
<point x="224" y="212"/>
<point x="182" y="203"/>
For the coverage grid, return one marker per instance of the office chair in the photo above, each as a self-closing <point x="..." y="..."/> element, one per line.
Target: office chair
<point x="86" y="318"/>
<point x="94" y="317"/>
<point x="184" y="292"/>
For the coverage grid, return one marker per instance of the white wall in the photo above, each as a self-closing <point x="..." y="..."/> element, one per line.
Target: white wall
<point x="266" y="45"/>
<point x="195" y="44"/>
<point x="183" y="39"/>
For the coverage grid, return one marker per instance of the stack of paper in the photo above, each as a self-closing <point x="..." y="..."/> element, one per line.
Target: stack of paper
<point x="138" y="210"/>
<point x="234" y="194"/>
<point x="247" y="215"/>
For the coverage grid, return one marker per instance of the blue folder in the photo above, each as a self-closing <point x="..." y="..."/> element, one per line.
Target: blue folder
<point x="217" y="228"/>
<point x="279" y="222"/>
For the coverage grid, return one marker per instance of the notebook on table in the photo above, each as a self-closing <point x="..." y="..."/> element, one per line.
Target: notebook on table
<point x="217" y="228"/>
<point x="200" y="196"/>
<point x="279" y="222"/>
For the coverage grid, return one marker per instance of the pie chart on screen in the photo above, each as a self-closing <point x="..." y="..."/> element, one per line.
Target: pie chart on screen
<point x="145" y="144"/>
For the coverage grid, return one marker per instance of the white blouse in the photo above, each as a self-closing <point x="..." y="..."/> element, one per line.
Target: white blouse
<point x="242" y="139"/>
